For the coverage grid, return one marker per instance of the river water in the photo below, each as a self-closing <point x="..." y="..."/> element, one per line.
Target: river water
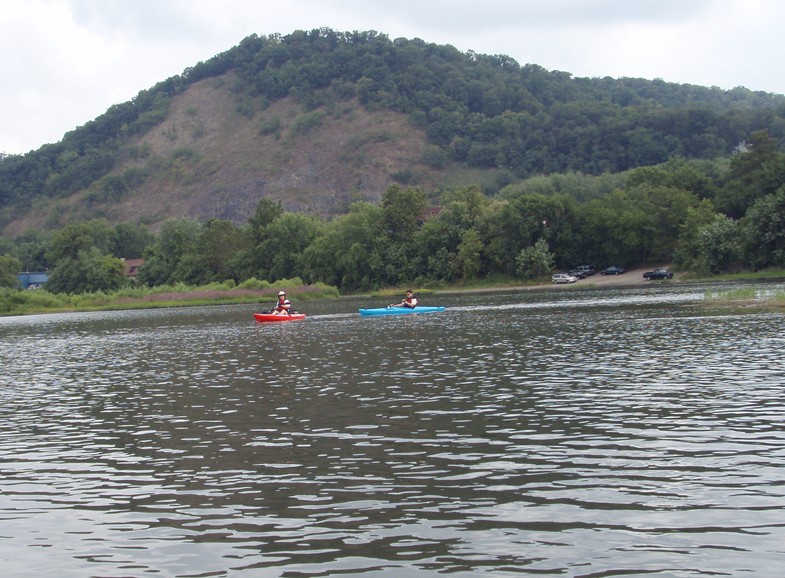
<point x="582" y="433"/>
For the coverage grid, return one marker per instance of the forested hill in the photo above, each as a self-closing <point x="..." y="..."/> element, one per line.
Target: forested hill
<point x="320" y="119"/>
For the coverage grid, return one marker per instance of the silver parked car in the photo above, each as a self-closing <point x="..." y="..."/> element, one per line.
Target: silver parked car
<point x="563" y="278"/>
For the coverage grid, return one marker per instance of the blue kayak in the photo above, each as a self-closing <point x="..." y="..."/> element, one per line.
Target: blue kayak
<point x="400" y="310"/>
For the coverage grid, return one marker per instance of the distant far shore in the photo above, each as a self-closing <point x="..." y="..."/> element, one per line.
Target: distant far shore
<point x="41" y="302"/>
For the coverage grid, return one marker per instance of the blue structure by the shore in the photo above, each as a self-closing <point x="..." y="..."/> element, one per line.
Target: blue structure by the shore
<point x="33" y="280"/>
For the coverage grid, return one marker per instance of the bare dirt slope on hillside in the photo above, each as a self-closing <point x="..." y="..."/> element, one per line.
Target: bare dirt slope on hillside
<point x="218" y="153"/>
<point x="314" y="161"/>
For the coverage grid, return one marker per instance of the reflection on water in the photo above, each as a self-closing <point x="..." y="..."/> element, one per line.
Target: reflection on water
<point x="554" y="433"/>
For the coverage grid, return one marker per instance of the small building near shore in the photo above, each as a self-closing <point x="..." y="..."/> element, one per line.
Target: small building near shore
<point x="131" y="267"/>
<point x="34" y="280"/>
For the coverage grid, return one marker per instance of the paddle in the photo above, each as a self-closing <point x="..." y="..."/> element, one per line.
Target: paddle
<point x="289" y="311"/>
<point x="405" y="303"/>
<point x="271" y="311"/>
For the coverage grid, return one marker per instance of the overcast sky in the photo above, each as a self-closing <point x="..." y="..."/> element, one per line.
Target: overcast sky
<point x="65" y="62"/>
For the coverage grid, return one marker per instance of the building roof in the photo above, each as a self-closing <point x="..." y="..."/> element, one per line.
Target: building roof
<point x="132" y="266"/>
<point x="34" y="279"/>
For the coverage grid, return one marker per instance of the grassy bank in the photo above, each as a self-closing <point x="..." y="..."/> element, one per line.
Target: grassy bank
<point x="747" y="297"/>
<point x="29" y="302"/>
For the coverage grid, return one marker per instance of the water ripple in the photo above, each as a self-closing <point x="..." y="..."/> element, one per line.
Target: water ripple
<point x="569" y="433"/>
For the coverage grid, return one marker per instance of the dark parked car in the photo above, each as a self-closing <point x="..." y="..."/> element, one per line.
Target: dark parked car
<point x="613" y="270"/>
<point x="579" y="273"/>
<point x="658" y="274"/>
<point x="587" y="269"/>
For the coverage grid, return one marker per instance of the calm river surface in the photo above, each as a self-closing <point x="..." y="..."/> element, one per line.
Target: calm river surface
<point x="588" y="433"/>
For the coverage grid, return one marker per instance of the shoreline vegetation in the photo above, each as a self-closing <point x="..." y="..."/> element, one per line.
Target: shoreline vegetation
<point x="16" y="302"/>
<point x="747" y="298"/>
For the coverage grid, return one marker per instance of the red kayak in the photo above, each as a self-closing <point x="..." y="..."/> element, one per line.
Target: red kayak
<point x="269" y="317"/>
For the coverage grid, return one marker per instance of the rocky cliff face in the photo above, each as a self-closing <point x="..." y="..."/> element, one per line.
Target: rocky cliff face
<point x="217" y="154"/>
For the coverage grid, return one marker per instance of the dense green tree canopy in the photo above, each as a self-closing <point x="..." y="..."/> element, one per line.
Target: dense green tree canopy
<point x="657" y="214"/>
<point x="88" y="271"/>
<point x="169" y="259"/>
<point x="9" y="267"/>
<point x="755" y="172"/>
<point x="763" y="231"/>
<point x="77" y="238"/>
<point x="129" y="240"/>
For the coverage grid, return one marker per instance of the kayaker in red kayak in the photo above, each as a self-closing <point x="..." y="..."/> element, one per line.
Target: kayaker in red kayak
<point x="409" y="301"/>
<point x="283" y="306"/>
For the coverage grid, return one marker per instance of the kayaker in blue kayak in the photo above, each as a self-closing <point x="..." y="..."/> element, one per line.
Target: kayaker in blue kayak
<point x="409" y="301"/>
